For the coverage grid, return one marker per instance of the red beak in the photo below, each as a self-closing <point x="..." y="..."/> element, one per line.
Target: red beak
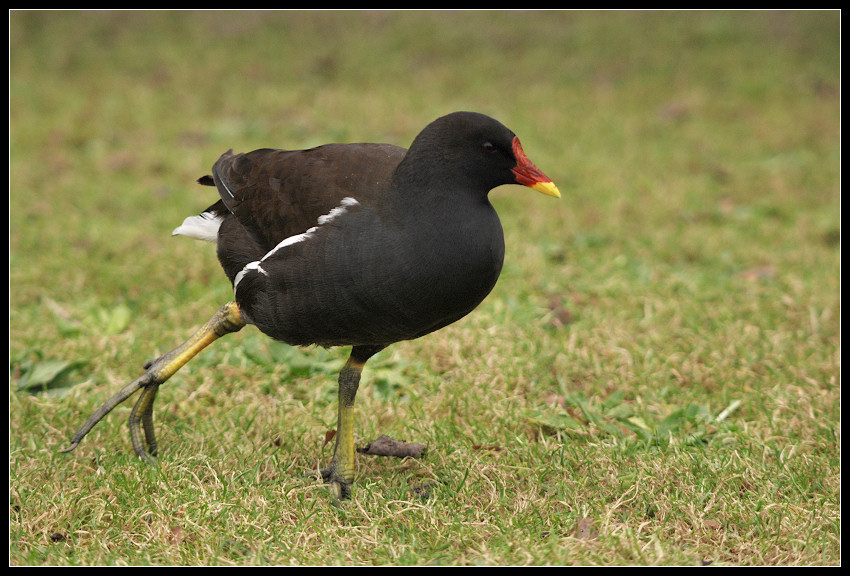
<point x="530" y="175"/>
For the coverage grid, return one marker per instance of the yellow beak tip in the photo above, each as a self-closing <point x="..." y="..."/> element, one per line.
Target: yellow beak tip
<point x="547" y="188"/>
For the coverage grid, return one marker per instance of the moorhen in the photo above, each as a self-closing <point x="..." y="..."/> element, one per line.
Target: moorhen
<point x="358" y="245"/>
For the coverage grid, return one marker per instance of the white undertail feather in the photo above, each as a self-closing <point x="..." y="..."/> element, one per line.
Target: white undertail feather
<point x="204" y="226"/>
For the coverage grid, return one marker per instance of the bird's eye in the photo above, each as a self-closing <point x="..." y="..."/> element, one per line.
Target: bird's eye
<point x="488" y="147"/>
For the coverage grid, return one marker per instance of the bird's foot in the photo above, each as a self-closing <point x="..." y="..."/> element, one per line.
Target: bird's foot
<point x="227" y="319"/>
<point x="340" y="487"/>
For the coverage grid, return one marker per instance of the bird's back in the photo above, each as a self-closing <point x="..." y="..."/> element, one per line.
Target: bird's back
<point x="269" y="195"/>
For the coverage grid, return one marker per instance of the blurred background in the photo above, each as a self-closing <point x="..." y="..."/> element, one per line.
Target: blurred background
<point x="650" y="122"/>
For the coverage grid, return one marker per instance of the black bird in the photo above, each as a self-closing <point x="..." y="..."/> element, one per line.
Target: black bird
<point x="358" y="245"/>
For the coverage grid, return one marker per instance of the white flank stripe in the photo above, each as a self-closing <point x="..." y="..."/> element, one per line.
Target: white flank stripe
<point x="339" y="210"/>
<point x="347" y="202"/>
<point x="204" y="227"/>
<point x="290" y="241"/>
<point x="335" y="213"/>
<point x="248" y="267"/>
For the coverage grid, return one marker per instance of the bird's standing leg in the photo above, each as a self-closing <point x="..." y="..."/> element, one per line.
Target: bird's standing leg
<point x="340" y="474"/>
<point x="226" y="320"/>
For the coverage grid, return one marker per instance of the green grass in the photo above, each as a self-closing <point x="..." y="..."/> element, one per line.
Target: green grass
<point x="654" y="380"/>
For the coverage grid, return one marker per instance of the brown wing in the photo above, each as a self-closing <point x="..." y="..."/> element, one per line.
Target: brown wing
<point x="275" y="194"/>
<point x="268" y="195"/>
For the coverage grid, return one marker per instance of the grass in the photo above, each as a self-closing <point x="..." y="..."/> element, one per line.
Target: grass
<point x="654" y="380"/>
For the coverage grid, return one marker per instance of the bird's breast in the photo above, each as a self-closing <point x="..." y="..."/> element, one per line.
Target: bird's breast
<point x="368" y="281"/>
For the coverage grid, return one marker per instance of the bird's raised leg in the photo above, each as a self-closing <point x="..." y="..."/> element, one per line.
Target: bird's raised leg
<point x="340" y="473"/>
<point x="226" y="320"/>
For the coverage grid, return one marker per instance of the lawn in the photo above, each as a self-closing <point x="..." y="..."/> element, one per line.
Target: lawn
<point x="655" y="379"/>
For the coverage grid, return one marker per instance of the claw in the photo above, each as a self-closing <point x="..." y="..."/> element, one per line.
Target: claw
<point x="226" y="320"/>
<point x="141" y="419"/>
<point x="340" y="487"/>
<point x="107" y="407"/>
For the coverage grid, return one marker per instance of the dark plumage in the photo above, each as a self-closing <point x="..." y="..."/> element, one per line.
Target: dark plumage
<point x="351" y="244"/>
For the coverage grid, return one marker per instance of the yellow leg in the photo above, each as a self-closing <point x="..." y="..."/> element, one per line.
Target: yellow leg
<point x="340" y="473"/>
<point x="226" y="320"/>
